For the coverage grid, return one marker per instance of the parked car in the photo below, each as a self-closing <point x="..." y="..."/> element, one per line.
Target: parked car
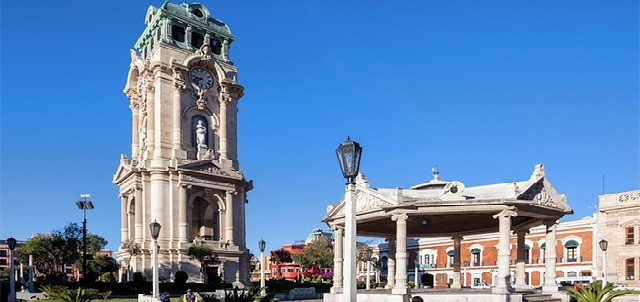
<point x="481" y="285"/>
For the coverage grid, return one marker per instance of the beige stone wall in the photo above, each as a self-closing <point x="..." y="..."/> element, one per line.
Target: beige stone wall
<point x="617" y="212"/>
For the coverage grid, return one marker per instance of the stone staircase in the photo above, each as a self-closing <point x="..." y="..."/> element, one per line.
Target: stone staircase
<point x="540" y="298"/>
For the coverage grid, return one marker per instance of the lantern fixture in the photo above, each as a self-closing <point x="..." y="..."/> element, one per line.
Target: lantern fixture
<point x="155" y="229"/>
<point x="349" y="157"/>
<point x="603" y="245"/>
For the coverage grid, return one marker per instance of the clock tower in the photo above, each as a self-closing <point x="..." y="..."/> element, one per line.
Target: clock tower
<point x="183" y="171"/>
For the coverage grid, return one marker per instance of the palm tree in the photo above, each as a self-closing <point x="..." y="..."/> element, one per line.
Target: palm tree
<point x="596" y="293"/>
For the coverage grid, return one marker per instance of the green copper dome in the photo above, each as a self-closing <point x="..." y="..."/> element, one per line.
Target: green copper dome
<point x="186" y="27"/>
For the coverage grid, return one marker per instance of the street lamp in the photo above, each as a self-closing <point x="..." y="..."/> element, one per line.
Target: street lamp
<point x="84" y="205"/>
<point x="349" y="157"/>
<point x="12" y="275"/>
<point x="416" y="263"/>
<point x="261" y="246"/>
<point x="368" y="255"/>
<point x="603" y="246"/>
<point x="155" y="232"/>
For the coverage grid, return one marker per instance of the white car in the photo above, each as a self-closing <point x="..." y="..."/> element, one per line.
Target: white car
<point x="480" y="285"/>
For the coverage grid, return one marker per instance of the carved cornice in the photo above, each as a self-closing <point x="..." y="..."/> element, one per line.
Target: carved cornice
<point x="400" y="217"/>
<point x="230" y="91"/>
<point x="629" y="197"/>
<point x="178" y="78"/>
<point x="506" y="213"/>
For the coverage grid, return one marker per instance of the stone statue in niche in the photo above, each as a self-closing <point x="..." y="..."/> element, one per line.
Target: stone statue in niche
<point x="201" y="134"/>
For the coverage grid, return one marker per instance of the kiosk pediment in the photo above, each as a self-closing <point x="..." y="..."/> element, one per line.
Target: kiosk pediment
<point x="366" y="200"/>
<point x="541" y="192"/>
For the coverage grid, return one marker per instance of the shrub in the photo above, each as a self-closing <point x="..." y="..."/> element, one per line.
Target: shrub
<point x="108" y="277"/>
<point x="138" y="277"/>
<point x="62" y="293"/>
<point x="596" y="293"/>
<point x="180" y="277"/>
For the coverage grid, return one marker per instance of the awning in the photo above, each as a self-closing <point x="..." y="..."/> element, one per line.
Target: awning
<point x="543" y="246"/>
<point x="571" y="243"/>
<point x="475" y="251"/>
<point x="527" y="247"/>
<point x="450" y="253"/>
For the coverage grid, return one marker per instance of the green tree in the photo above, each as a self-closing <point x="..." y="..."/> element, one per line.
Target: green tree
<point x="281" y="256"/>
<point x="204" y="254"/>
<point x="596" y="293"/>
<point x="315" y="253"/>
<point x="62" y="246"/>
<point x="100" y="264"/>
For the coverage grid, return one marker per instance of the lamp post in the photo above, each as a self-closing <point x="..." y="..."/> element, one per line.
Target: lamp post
<point x="603" y="246"/>
<point x="416" y="263"/>
<point x="12" y="275"/>
<point x="261" y="246"/>
<point x="84" y="205"/>
<point x="349" y="157"/>
<point x="368" y="254"/>
<point x="155" y="232"/>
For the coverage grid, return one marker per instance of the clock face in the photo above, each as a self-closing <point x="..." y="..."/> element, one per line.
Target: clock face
<point x="201" y="77"/>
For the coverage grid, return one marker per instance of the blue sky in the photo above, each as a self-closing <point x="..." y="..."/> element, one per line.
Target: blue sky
<point x="482" y="89"/>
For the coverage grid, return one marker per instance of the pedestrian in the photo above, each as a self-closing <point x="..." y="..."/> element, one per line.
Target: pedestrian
<point x="190" y="297"/>
<point x="165" y="296"/>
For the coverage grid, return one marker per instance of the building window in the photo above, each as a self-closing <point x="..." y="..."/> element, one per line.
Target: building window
<point x="572" y="274"/>
<point x="572" y="250"/>
<point x="4" y="262"/>
<point x="177" y="33"/>
<point x="196" y="39"/>
<point x="283" y="270"/>
<point x="630" y="235"/>
<point x="3" y="253"/>
<point x="216" y="46"/>
<point x="475" y="257"/>
<point x="630" y="268"/>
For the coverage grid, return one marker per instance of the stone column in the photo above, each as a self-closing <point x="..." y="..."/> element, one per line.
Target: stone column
<point x="224" y="138"/>
<point x="456" y="262"/>
<point x="124" y="218"/>
<point x="178" y="87"/>
<point x="135" y="130"/>
<point x="521" y="283"/>
<point x="337" y="260"/>
<point x="138" y="215"/>
<point x="391" y="263"/>
<point x="229" y="221"/>
<point x="401" y="253"/>
<point x="504" y="277"/>
<point x="151" y="119"/>
<point x="550" y="285"/>
<point x="350" y="232"/>
<point x="182" y="213"/>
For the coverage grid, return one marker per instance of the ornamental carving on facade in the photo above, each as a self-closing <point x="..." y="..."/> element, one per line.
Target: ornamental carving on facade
<point x="539" y="194"/>
<point x="633" y="197"/>
<point x="545" y="199"/>
<point x="211" y="168"/>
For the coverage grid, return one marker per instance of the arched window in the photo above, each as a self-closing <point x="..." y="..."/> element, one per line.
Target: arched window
<point x="572" y="250"/>
<point x="177" y="33"/>
<point x="475" y="260"/>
